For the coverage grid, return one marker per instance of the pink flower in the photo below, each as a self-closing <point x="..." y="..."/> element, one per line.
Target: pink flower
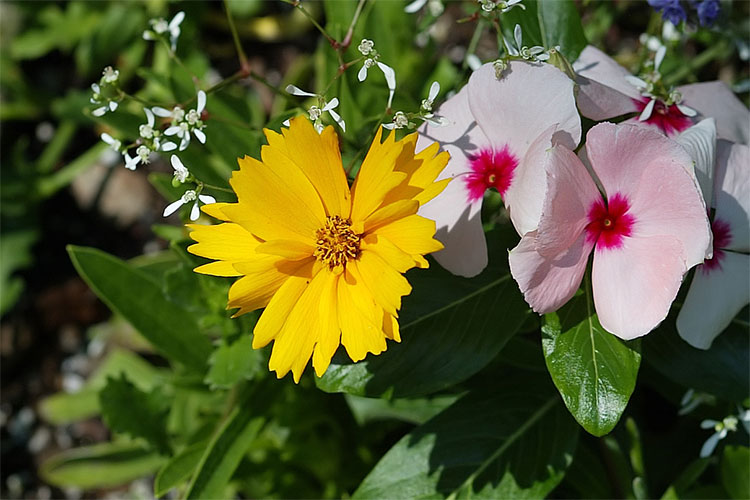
<point x="607" y="90"/>
<point x="649" y="228"/>
<point x="719" y="289"/>
<point x="498" y="132"/>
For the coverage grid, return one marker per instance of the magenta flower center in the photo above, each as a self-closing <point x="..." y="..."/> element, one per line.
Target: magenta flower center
<point x="609" y="223"/>
<point x="722" y="239"/>
<point x="490" y="168"/>
<point x="669" y="119"/>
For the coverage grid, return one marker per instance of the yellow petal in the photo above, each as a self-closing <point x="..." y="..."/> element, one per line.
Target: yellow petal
<point x="223" y="242"/>
<point x="329" y="334"/>
<point x="218" y="268"/>
<point x="358" y="317"/>
<point x="294" y="344"/>
<point x="215" y="210"/>
<point x="390" y="327"/>
<point x="413" y="234"/>
<point x="289" y="249"/>
<point x="275" y="205"/>
<point x="262" y="278"/>
<point x="390" y="213"/>
<point x="390" y="253"/>
<point x="376" y="176"/>
<point x="421" y="169"/>
<point x="319" y="157"/>
<point x="386" y="285"/>
<point x="281" y="305"/>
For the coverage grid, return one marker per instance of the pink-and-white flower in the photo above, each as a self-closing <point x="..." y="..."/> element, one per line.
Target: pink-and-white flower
<point x="719" y="289"/>
<point x="497" y="132"/>
<point x="648" y="229"/>
<point x="607" y="90"/>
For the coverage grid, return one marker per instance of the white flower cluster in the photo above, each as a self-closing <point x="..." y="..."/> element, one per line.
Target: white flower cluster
<point x="105" y="94"/>
<point x="536" y="53"/>
<point x="316" y="111"/>
<point x="183" y="124"/>
<point x="502" y="6"/>
<point x="402" y="120"/>
<point x="161" y="29"/>
<point x="367" y="48"/>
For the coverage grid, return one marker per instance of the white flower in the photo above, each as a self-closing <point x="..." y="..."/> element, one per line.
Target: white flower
<point x="473" y="61"/>
<point x="113" y="143"/>
<point x="159" y="27"/>
<point x="188" y="122"/>
<point x="487" y="5"/>
<point x="147" y="130"/>
<point x="189" y="196"/>
<point x="400" y="120"/>
<point x="414" y="7"/>
<point x="506" y="6"/>
<point x="141" y="156"/>
<point x="97" y="98"/>
<point x="176" y="115"/>
<point x="110" y="75"/>
<point x="181" y="173"/>
<point x="535" y="53"/>
<point x="388" y="73"/>
<point x="316" y="112"/>
<point x="721" y="430"/>
<point x="365" y="47"/>
<point x="691" y="400"/>
<point x="434" y="91"/>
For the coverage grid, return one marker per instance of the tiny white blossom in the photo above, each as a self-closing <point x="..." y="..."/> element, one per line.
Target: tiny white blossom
<point x="110" y="75"/>
<point x="414" y="7"/>
<point x="365" y="47"/>
<point x="181" y="172"/>
<point x="400" y="120"/>
<point x="188" y="122"/>
<point x="113" y="143"/>
<point x="160" y="27"/>
<point x="473" y="61"/>
<point x="506" y="6"/>
<point x="434" y="91"/>
<point x="721" y="430"/>
<point x="487" y="5"/>
<point x="691" y="400"/>
<point x="315" y="112"/>
<point x="294" y="90"/>
<point x="147" y="130"/>
<point x="190" y="195"/>
<point x="499" y="66"/>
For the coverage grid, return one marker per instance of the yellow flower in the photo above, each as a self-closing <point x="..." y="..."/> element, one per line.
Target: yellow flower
<point x="324" y="260"/>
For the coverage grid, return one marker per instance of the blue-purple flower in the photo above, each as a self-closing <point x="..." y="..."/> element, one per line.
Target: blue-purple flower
<point x="671" y="10"/>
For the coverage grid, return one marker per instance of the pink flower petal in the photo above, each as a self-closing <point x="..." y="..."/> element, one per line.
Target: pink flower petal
<point x="634" y="285"/>
<point x="548" y="282"/>
<point x="529" y="98"/>
<point x="732" y="192"/>
<point x="714" y="299"/>
<point x="715" y="99"/>
<point x="700" y="142"/>
<point x="603" y="91"/>
<point x="459" y="229"/>
<point x="653" y="174"/>
<point x="570" y="194"/>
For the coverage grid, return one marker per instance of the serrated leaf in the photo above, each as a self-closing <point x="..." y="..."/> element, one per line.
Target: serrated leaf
<point x="128" y="410"/>
<point x="513" y="441"/>
<point x="134" y="295"/>
<point x="451" y="327"/>
<point x="178" y="469"/>
<point x="99" y="466"/>
<point x="594" y="371"/>
<point x="233" y="362"/>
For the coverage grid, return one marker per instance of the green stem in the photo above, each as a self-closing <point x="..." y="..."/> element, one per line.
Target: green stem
<point x="478" y="31"/>
<point x="696" y="63"/>
<point x="236" y="38"/>
<point x="217" y="188"/>
<point x="315" y="23"/>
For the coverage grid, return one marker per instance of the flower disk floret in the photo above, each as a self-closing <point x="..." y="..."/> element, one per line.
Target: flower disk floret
<point x="325" y="261"/>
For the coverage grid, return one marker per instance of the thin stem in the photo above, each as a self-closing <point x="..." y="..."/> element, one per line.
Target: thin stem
<point x="236" y="37"/>
<point x="176" y="58"/>
<point x="237" y="76"/>
<point x="125" y="95"/>
<point x="217" y="188"/>
<point x="265" y="82"/>
<point x="696" y="63"/>
<point x="315" y="23"/>
<point x="478" y="31"/>
<point x="350" y="32"/>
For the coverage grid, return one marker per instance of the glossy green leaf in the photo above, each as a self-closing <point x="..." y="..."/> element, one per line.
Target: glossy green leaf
<point x="139" y="414"/>
<point x="99" y="466"/>
<point x="134" y="295"/>
<point x="735" y="471"/>
<point x="721" y="370"/>
<point x="512" y="441"/>
<point x="232" y="362"/>
<point x="227" y="447"/>
<point x="178" y="469"/>
<point x="451" y="327"/>
<point x="594" y="371"/>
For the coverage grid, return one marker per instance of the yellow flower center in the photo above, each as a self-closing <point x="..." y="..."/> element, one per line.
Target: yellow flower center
<point x="336" y="242"/>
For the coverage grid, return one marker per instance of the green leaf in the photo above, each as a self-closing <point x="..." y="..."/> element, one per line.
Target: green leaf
<point x="178" y="469"/>
<point x="594" y="371"/>
<point x="451" y="327"/>
<point x="233" y="362"/>
<point x="514" y="440"/>
<point x="721" y="370"/>
<point x="414" y="411"/>
<point x="128" y="410"/>
<point x="15" y="254"/>
<point x="63" y="408"/>
<point x="170" y="328"/>
<point x="560" y="24"/>
<point x="227" y="447"/>
<point x="735" y="464"/>
<point x="99" y="466"/>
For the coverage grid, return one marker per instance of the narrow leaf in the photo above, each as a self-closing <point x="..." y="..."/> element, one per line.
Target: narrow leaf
<point x="178" y="469"/>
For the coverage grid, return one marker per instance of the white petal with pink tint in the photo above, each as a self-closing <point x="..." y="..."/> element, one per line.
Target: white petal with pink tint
<point x="714" y="299"/>
<point x="700" y="143"/>
<point x="653" y="173"/>
<point x="603" y="91"/>
<point x="732" y="193"/>
<point x="516" y="108"/>
<point x="570" y="194"/>
<point x="547" y="283"/>
<point x="716" y="99"/>
<point x="459" y="229"/>
<point x="634" y="285"/>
